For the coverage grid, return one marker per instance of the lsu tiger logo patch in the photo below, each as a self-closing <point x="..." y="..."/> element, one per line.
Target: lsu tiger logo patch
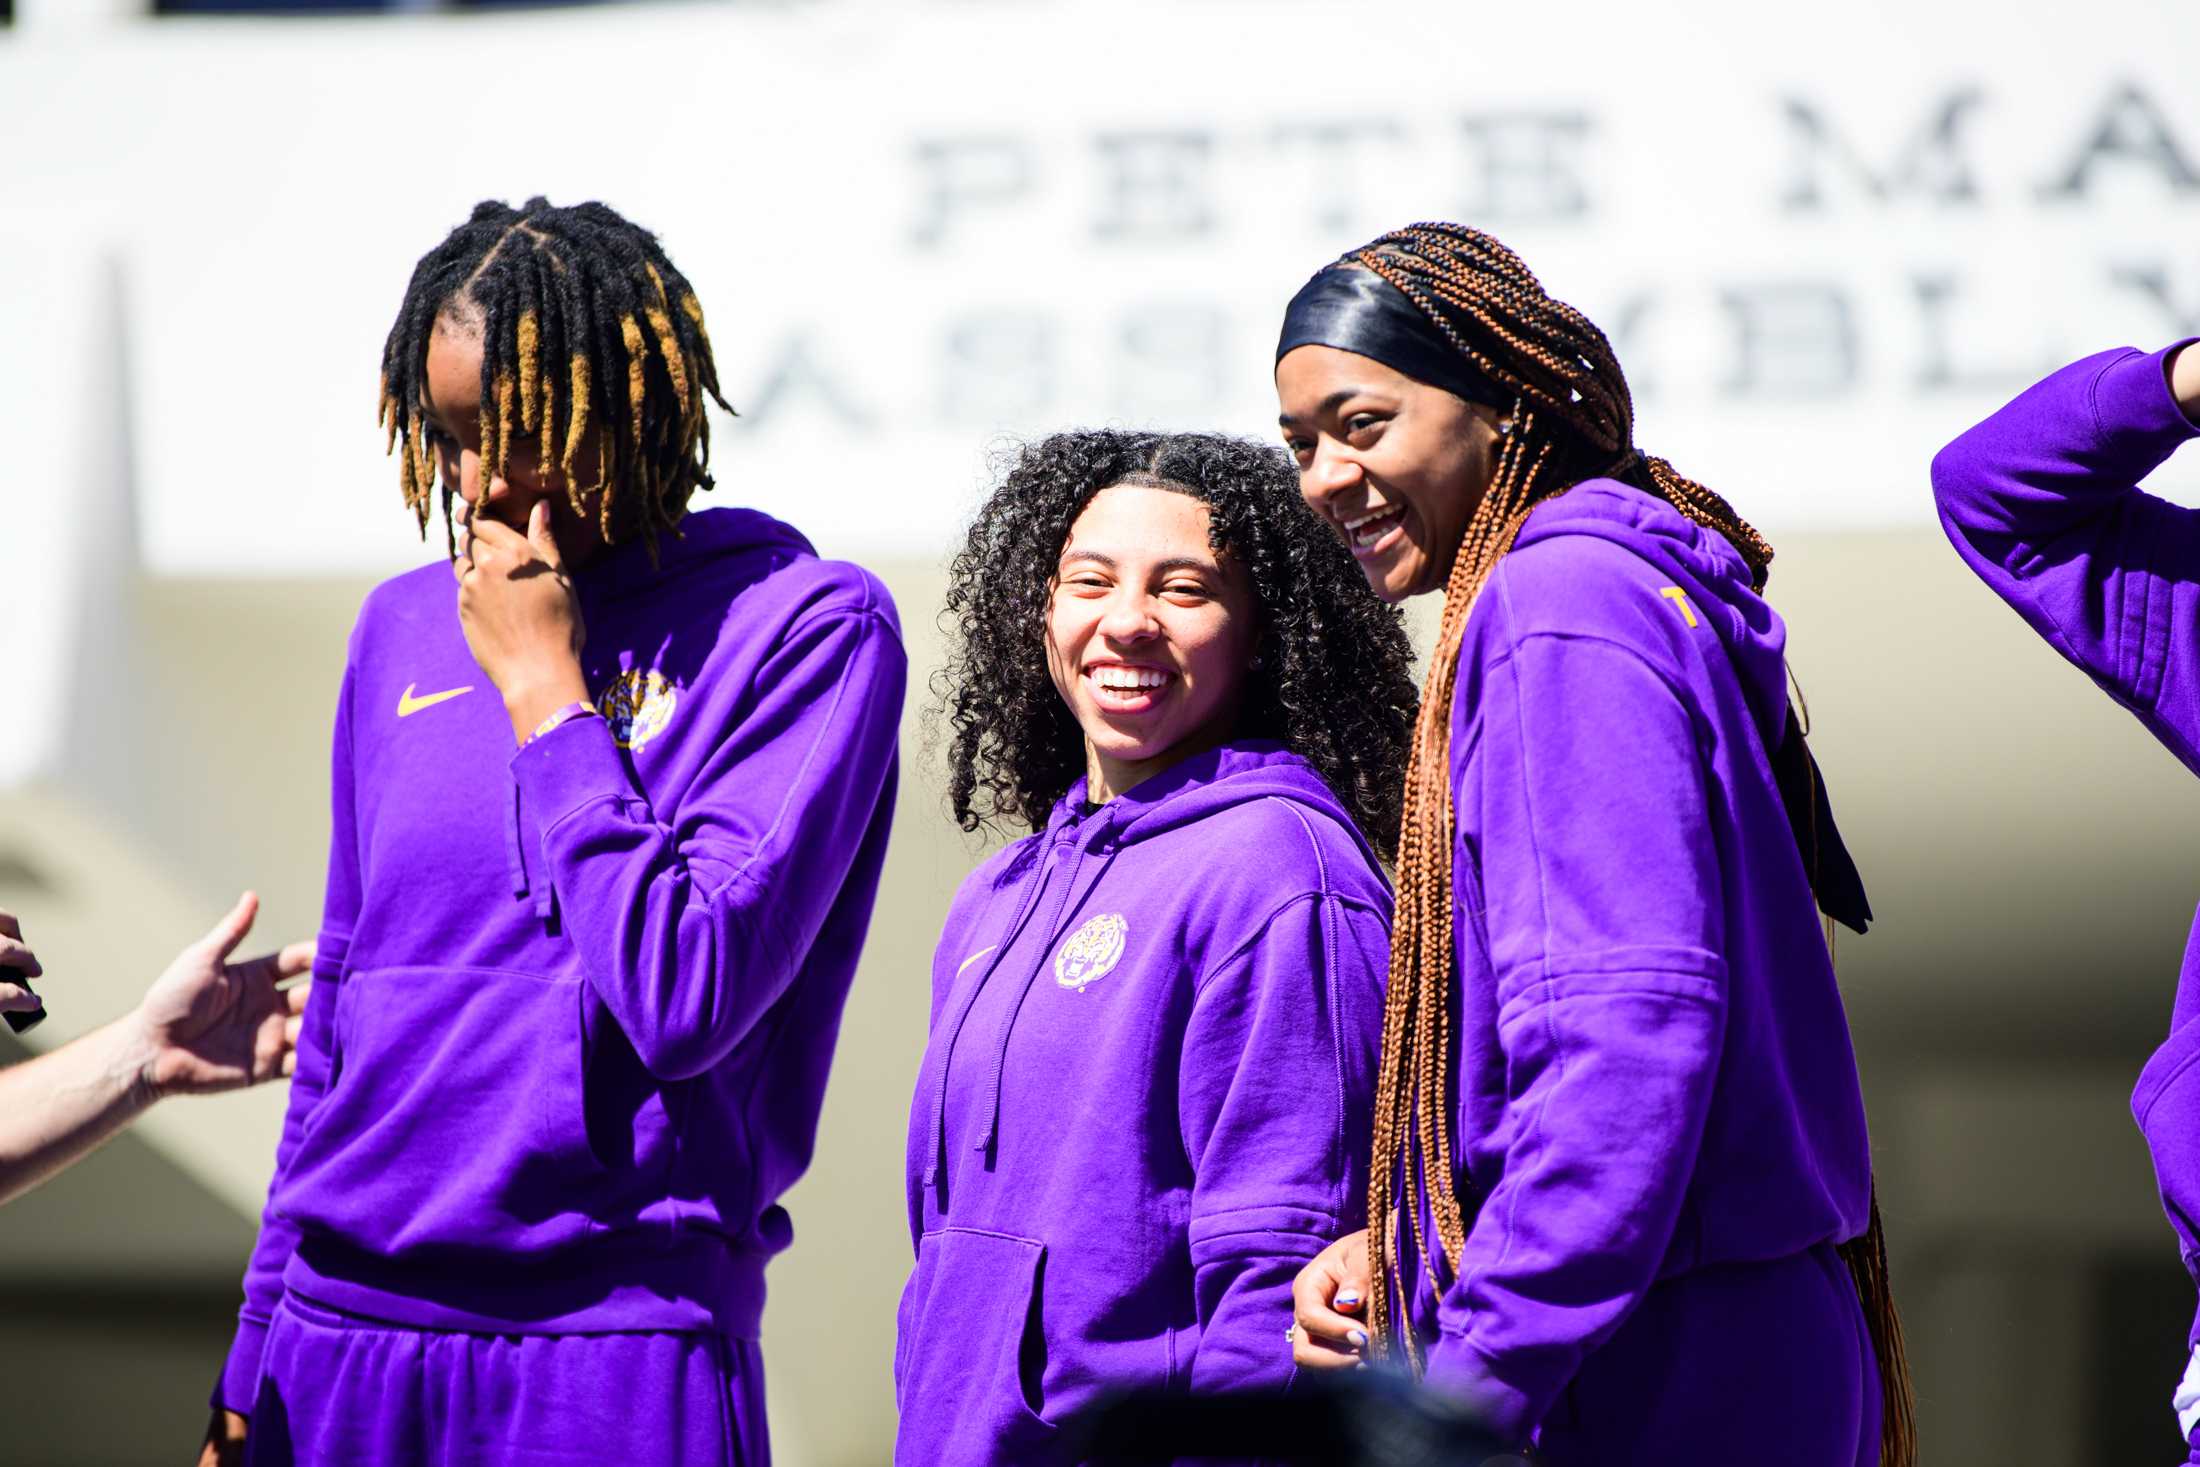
<point x="1091" y="953"/>
<point x="636" y="706"/>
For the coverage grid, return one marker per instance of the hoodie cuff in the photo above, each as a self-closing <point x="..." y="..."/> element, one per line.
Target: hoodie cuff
<point x="1465" y="1373"/>
<point x="331" y="950"/>
<point x="2133" y="409"/>
<point x="240" y="1378"/>
<point x="575" y="764"/>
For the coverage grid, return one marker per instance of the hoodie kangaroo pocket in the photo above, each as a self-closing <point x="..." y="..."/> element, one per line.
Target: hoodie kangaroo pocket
<point x="2166" y="1104"/>
<point x="973" y="1351"/>
<point x="459" y="1125"/>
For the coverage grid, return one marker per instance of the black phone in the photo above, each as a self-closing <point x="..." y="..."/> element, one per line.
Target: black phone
<point x="1354" y="1418"/>
<point x="20" y="1021"/>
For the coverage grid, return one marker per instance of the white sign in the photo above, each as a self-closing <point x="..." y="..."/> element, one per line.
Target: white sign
<point x="920" y="229"/>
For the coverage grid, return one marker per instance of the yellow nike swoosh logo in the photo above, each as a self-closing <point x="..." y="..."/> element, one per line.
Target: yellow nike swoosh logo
<point x="407" y="704"/>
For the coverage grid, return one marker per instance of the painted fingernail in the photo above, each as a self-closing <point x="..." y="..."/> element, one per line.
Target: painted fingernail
<point x="1358" y="1338"/>
<point x="1348" y="1298"/>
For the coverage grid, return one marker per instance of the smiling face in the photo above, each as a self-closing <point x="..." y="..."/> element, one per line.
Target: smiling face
<point x="1396" y="467"/>
<point x="1148" y="634"/>
<point x="453" y="413"/>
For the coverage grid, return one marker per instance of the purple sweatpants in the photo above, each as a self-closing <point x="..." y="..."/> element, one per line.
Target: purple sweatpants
<point x="1727" y="1367"/>
<point x="337" y="1389"/>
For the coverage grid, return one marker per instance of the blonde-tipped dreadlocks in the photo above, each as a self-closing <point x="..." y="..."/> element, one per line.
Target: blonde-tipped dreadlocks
<point x="1573" y="418"/>
<point x="577" y="299"/>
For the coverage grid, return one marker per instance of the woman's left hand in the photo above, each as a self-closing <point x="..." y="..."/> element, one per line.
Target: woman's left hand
<point x="1325" y="1297"/>
<point x="521" y="618"/>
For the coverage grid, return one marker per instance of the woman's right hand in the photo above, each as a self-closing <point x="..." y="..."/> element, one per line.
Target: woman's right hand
<point x="1326" y="1297"/>
<point x="224" y="1445"/>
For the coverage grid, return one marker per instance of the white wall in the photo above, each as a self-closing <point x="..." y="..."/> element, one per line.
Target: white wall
<point x="1820" y="243"/>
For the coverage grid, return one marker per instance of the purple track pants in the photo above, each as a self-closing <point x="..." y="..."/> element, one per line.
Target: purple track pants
<point x="336" y="1388"/>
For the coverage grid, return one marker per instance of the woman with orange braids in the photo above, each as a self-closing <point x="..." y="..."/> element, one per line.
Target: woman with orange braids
<point x="1621" y="1197"/>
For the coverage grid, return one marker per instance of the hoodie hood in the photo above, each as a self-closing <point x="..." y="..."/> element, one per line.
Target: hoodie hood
<point x="706" y="537"/>
<point x="1702" y="563"/>
<point x="1195" y="788"/>
<point x="1714" y="584"/>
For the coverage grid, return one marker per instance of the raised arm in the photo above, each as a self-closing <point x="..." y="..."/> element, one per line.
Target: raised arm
<point x="1602" y="901"/>
<point x="2041" y="501"/>
<point x="691" y="922"/>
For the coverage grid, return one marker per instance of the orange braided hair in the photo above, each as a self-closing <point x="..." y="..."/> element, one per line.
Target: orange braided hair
<point x="1573" y="419"/>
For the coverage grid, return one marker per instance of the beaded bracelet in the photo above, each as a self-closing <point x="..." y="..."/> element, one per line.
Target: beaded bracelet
<point x="566" y="714"/>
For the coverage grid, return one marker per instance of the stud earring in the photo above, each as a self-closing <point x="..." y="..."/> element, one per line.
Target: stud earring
<point x="1258" y="662"/>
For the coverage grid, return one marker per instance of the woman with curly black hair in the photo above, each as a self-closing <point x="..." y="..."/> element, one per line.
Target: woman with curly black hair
<point x="1173" y="676"/>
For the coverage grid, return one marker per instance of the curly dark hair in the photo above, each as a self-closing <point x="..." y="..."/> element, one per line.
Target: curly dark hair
<point x="1335" y="683"/>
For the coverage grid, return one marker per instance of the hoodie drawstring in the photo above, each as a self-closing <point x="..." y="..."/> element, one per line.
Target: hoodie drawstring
<point x="515" y="858"/>
<point x="938" y="1127"/>
<point x="991" y="1108"/>
<point x="515" y="849"/>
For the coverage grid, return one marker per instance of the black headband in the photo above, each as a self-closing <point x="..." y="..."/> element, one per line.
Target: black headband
<point x="1356" y="310"/>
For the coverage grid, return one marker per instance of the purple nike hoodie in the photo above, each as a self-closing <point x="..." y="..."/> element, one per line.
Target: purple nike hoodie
<point x="1655" y="1073"/>
<point x="2042" y="501"/>
<point x="1145" y="1102"/>
<point x="574" y="1005"/>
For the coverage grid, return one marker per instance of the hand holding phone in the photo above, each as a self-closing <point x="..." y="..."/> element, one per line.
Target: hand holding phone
<point x="18" y="965"/>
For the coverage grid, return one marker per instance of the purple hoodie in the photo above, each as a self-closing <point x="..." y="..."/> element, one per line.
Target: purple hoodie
<point x="572" y="1023"/>
<point x="1145" y="1103"/>
<point x="2042" y="501"/>
<point x="1655" y="1073"/>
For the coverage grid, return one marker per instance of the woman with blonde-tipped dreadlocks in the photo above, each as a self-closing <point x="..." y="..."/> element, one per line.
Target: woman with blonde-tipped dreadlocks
<point x="1621" y="1190"/>
<point x="608" y="824"/>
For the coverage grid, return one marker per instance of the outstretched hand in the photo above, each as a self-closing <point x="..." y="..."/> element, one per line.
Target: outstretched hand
<point x="208" y="1024"/>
